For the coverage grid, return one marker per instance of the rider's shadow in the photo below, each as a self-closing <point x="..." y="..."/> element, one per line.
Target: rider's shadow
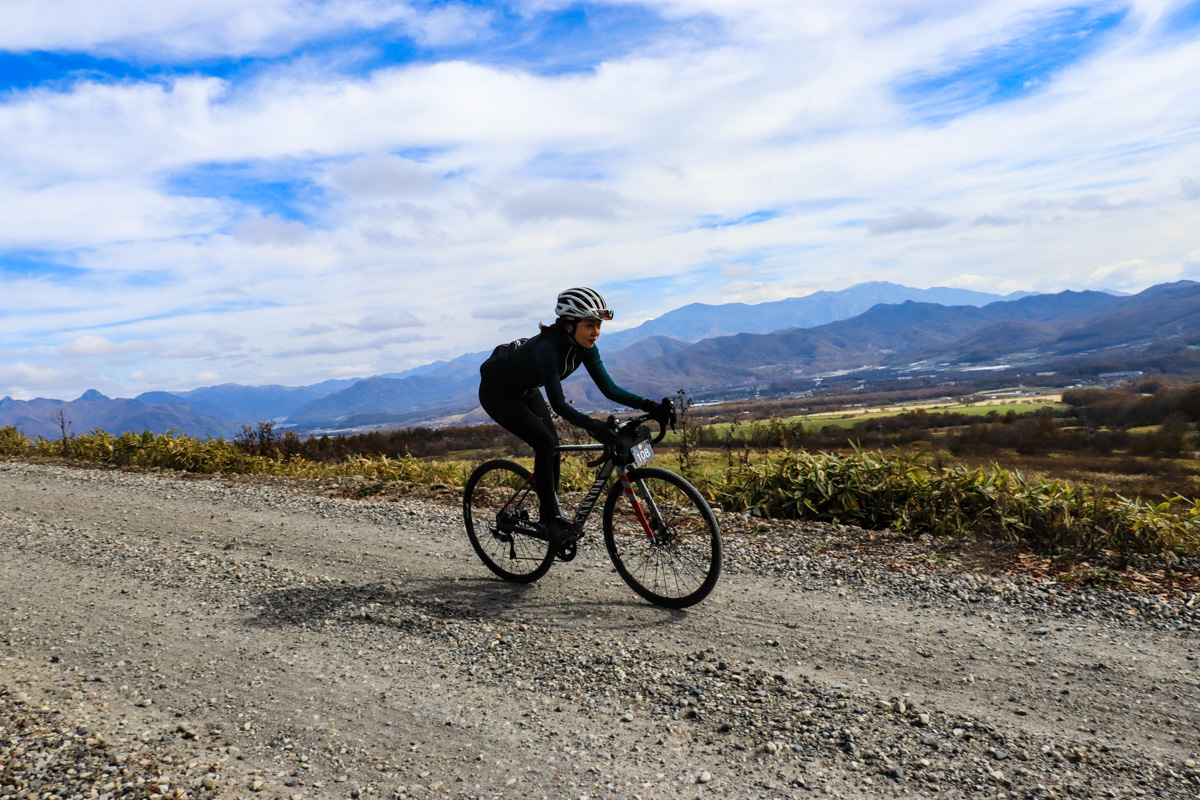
<point x="526" y="602"/>
<point x="372" y="603"/>
<point x="415" y="603"/>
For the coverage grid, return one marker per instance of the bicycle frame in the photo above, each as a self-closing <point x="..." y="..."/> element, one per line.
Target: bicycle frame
<point x="665" y="544"/>
<point x="597" y="488"/>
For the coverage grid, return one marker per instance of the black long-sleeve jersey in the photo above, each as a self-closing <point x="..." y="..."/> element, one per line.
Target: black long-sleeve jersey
<point x="546" y="360"/>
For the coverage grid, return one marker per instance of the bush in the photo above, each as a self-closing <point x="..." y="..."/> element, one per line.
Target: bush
<point x="264" y="440"/>
<point x="419" y="442"/>
<point x="12" y="441"/>
<point x="876" y="492"/>
<point x="868" y="490"/>
<point x="174" y="450"/>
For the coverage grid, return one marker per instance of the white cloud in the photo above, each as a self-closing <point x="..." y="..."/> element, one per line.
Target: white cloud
<point x="225" y="339"/>
<point x="910" y="219"/>
<point x="448" y="24"/>
<point x="200" y="28"/>
<point x="296" y="202"/>
<point x="349" y="345"/>
<point x="384" y="176"/>
<point x="90" y="213"/>
<point x="996" y="220"/>
<point x="388" y="321"/>
<point x="270" y="229"/>
<point x="91" y="345"/>
<point x="351" y="370"/>
<point x="1150" y="274"/>
<point x="22" y="380"/>
<point x="502" y="311"/>
<point x="1101" y="203"/>
<point x="98" y="131"/>
<point x="739" y="271"/>
<point x="313" y="329"/>
<point x="1133" y="272"/>
<point x="563" y="200"/>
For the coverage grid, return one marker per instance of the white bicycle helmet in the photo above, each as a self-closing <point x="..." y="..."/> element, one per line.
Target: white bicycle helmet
<point x="581" y="303"/>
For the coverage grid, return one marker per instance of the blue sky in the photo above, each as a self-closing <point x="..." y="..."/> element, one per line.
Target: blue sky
<point x="286" y="191"/>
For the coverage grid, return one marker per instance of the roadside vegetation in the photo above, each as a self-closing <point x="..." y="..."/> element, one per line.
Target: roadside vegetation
<point x="266" y="454"/>
<point x="900" y="491"/>
<point x="1104" y="470"/>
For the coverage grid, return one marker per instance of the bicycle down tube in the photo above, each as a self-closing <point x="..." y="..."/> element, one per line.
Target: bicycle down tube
<point x="589" y="501"/>
<point x="593" y="494"/>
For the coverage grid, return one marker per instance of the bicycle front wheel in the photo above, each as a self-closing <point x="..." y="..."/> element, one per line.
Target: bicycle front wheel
<point x="663" y="539"/>
<point x="500" y="506"/>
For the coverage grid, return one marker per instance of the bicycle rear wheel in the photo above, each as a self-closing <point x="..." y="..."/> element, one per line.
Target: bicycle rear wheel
<point x="500" y="508"/>
<point x="679" y="565"/>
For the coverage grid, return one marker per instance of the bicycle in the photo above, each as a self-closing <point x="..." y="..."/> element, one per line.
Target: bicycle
<point x="664" y="542"/>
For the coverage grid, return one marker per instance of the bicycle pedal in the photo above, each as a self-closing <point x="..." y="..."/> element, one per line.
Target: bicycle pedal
<point x="567" y="552"/>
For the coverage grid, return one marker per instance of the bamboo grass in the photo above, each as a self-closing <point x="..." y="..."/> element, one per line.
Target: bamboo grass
<point x="869" y="490"/>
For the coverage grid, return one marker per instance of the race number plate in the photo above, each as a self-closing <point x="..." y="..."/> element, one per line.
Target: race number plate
<point x="641" y="452"/>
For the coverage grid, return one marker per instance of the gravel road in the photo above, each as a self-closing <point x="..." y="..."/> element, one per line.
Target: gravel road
<point x="167" y="636"/>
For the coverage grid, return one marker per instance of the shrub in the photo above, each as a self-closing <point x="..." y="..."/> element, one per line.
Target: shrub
<point x="172" y="450"/>
<point x="12" y="441"/>
<point x="874" y="491"/>
<point x="265" y="440"/>
<point x="864" y="489"/>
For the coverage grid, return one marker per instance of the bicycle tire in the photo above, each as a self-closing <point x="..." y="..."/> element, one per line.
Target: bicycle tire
<point x="680" y="567"/>
<point x="500" y="506"/>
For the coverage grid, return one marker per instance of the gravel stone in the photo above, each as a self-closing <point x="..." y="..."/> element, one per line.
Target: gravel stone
<point x="169" y="636"/>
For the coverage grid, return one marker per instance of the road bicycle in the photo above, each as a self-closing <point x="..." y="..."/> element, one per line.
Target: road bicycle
<point x="662" y="536"/>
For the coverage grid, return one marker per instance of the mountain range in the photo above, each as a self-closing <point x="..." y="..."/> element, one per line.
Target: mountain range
<point x="1082" y="332"/>
<point x="697" y="321"/>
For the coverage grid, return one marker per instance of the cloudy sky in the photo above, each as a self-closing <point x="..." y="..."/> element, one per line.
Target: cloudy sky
<point x="285" y="191"/>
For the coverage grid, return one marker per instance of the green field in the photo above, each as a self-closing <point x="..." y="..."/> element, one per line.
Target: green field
<point x="848" y="419"/>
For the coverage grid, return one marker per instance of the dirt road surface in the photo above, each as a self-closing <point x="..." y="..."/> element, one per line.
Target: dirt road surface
<point x="171" y="636"/>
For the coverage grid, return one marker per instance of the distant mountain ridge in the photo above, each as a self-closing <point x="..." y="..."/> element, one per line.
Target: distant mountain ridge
<point x="40" y="417"/>
<point x="1066" y="329"/>
<point x="697" y="321"/>
<point x="407" y="397"/>
<point x="235" y="402"/>
<point x="1158" y="328"/>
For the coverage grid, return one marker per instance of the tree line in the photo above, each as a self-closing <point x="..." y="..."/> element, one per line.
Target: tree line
<point x="266" y="439"/>
<point x="1096" y="420"/>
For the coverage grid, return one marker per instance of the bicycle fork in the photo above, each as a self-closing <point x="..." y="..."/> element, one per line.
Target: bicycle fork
<point x="647" y="526"/>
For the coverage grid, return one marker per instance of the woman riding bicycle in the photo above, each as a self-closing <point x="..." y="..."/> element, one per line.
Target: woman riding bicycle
<point x="511" y="376"/>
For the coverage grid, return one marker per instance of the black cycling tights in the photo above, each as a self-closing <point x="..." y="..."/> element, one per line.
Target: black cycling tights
<point x="528" y="417"/>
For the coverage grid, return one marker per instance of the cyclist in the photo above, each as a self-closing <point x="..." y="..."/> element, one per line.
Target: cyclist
<point x="511" y="376"/>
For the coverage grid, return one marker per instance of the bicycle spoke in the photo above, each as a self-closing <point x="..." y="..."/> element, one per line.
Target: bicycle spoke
<point x="499" y="507"/>
<point x="680" y="565"/>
